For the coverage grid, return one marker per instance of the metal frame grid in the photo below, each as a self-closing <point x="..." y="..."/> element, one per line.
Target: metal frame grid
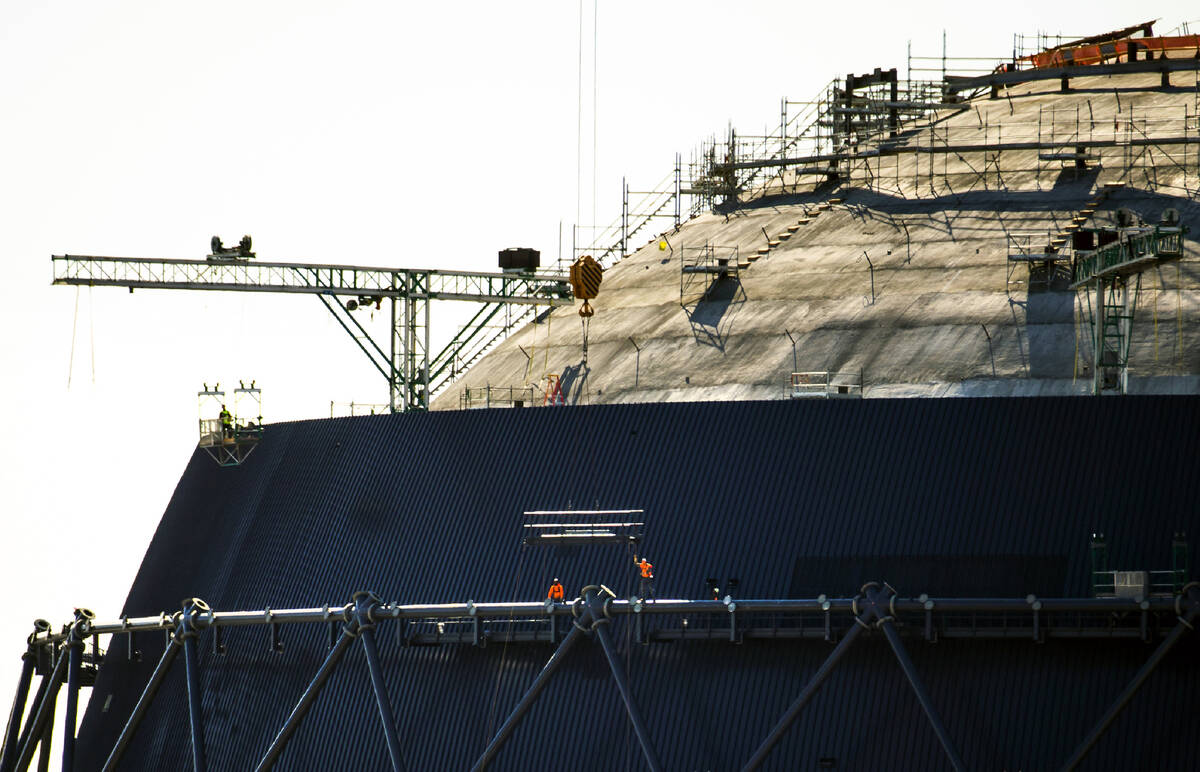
<point x="877" y="608"/>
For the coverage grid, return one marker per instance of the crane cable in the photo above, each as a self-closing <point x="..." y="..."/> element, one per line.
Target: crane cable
<point x="92" y="331"/>
<point x="74" y="323"/>
<point x="579" y="119"/>
<point x="585" y="320"/>
<point x="546" y="351"/>
<point x="1179" y="312"/>
<point x="595" y="91"/>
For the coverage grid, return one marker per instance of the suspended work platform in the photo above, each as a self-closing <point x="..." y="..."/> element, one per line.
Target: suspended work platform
<point x="230" y="436"/>
<point x="825" y="384"/>
<point x="596" y="526"/>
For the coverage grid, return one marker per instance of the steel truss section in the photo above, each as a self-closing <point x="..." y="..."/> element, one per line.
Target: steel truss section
<point x="876" y="608"/>
<point x="412" y="370"/>
<point x="592" y="612"/>
<point x="358" y="621"/>
<point x="1110" y="277"/>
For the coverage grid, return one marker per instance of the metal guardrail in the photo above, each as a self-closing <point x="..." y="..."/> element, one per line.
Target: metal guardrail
<point x="1134" y="248"/>
<point x="470" y="609"/>
<point x="499" y="396"/>
<point x="59" y="656"/>
<point x="1132" y="584"/>
<point x="826" y="384"/>
<point x="1030" y="247"/>
<point x="356" y="408"/>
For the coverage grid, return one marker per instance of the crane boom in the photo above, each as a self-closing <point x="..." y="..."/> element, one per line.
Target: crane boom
<point x="405" y="363"/>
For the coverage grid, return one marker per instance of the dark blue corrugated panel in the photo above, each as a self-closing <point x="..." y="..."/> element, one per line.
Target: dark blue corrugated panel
<point x="967" y="497"/>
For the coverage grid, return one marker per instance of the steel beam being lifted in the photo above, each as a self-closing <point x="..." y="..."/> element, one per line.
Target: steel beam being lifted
<point x="412" y="373"/>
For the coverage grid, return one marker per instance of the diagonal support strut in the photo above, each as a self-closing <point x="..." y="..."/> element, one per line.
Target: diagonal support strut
<point x="307" y="699"/>
<point x="600" y="626"/>
<point x="364" y="605"/>
<point x="531" y="694"/>
<point x="910" y="671"/>
<point x="810" y="689"/>
<point x="1186" y="624"/>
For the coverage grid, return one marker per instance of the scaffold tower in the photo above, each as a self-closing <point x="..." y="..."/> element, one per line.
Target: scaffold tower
<point x="1110" y="277"/>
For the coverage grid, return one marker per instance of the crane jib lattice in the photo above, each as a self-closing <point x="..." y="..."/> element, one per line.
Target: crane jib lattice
<point x="412" y="370"/>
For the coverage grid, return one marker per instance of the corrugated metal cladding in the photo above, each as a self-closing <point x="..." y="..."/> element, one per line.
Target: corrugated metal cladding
<point x="962" y="497"/>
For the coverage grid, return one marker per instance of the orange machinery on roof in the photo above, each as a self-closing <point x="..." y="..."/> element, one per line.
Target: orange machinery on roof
<point x="1114" y="47"/>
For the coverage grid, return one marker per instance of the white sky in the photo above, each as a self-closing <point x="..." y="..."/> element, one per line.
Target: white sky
<point x="374" y="133"/>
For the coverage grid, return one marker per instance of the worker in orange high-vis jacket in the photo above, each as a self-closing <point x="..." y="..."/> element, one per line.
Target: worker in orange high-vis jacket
<point x="646" y="574"/>
<point x="556" y="591"/>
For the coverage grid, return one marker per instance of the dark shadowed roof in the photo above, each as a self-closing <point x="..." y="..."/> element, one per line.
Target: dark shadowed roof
<point x="952" y="497"/>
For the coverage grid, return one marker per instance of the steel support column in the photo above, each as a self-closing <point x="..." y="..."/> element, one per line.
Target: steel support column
<point x="43" y="714"/>
<point x="910" y="671"/>
<point x="26" y="733"/>
<point x="534" y="691"/>
<point x="70" y="720"/>
<point x="13" y="733"/>
<point x="600" y="626"/>
<point x="143" y="704"/>
<point x="190" y="624"/>
<point x="1186" y="624"/>
<point x="810" y="689"/>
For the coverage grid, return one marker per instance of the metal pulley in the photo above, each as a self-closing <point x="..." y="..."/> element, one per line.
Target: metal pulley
<point x="585" y="277"/>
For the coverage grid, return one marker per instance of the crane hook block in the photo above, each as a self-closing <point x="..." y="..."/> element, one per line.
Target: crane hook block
<point x="585" y="277"/>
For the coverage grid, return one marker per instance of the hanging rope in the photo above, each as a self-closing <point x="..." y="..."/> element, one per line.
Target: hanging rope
<point x="1179" y="313"/>
<point x="595" y="91"/>
<point x="628" y="651"/>
<point x="579" y="120"/>
<point x="74" y="322"/>
<point x="546" y="351"/>
<point x="1156" y="291"/>
<point x="1078" y="309"/>
<point x="92" y="331"/>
